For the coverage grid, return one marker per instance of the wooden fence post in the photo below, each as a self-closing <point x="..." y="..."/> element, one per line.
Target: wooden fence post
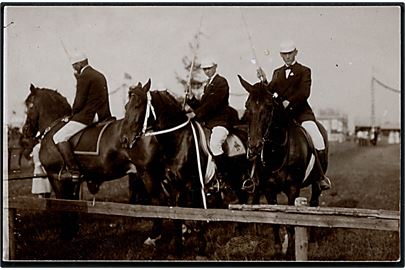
<point x="11" y="230"/>
<point x="301" y="236"/>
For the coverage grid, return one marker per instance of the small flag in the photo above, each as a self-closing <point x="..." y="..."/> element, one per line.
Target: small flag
<point x="127" y="76"/>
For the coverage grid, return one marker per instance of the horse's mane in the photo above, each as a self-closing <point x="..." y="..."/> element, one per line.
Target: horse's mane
<point x="167" y="102"/>
<point x="50" y="99"/>
<point x="260" y="93"/>
<point x="169" y="109"/>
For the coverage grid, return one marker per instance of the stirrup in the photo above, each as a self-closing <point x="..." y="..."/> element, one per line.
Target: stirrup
<point x="215" y="188"/>
<point x="326" y="183"/>
<point x="249" y="185"/>
<point x="65" y="175"/>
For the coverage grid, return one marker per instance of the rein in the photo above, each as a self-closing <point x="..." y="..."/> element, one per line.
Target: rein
<point x="150" y="109"/>
<point x="285" y="156"/>
<point x="42" y="134"/>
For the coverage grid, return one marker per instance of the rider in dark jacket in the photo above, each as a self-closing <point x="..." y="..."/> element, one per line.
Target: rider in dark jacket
<point x="91" y="100"/>
<point x="214" y="112"/>
<point x="291" y="84"/>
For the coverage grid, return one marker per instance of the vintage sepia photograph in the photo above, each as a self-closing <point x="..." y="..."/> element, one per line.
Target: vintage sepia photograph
<point x="202" y="133"/>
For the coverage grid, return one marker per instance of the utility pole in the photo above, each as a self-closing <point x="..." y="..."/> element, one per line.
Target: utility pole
<point x="372" y="102"/>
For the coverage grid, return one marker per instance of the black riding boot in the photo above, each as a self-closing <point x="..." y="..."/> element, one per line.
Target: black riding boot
<point x="221" y="163"/>
<point x="72" y="168"/>
<point x="321" y="160"/>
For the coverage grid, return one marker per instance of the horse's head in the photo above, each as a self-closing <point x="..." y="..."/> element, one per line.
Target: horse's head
<point x="31" y="125"/>
<point x="43" y="106"/>
<point x="259" y="112"/>
<point x="135" y="114"/>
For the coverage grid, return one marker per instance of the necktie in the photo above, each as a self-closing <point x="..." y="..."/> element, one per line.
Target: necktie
<point x="287" y="71"/>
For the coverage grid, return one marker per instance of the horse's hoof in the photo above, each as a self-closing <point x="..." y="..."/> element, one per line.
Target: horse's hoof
<point x="150" y="242"/>
<point x="325" y="183"/>
<point x="285" y="244"/>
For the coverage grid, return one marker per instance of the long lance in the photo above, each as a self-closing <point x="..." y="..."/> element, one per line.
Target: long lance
<point x="64" y="48"/>
<point x="188" y="88"/>
<point x="252" y="47"/>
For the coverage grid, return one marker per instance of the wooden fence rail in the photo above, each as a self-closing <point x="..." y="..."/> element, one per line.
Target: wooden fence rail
<point x="300" y="216"/>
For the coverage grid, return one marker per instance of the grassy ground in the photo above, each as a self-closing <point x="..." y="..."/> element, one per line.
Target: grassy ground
<point x="363" y="177"/>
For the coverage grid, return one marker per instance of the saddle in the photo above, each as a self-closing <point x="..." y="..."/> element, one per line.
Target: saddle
<point x="87" y="141"/>
<point x="277" y="148"/>
<point x="233" y="146"/>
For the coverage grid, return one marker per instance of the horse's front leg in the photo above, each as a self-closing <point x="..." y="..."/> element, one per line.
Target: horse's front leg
<point x="315" y="194"/>
<point x="293" y="192"/>
<point x="66" y="190"/>
<point x="139" y="193"/>
<point x="271" y="197"/>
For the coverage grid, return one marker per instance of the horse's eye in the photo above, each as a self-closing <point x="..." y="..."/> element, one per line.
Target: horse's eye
<point x="30" y="105"/>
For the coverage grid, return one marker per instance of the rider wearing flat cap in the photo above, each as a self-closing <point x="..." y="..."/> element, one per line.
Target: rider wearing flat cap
<point x="91" y="100"/>
<point x="291" y="84"/>
<point x="214" y="112"/>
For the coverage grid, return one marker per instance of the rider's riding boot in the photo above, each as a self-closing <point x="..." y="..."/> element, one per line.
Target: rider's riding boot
<point x="221" y="163"/>
<point x="73" y="171"/>
<point x="322" y="158"/>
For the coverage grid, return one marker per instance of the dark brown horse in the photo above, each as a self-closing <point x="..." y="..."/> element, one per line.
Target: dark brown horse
<point x="181" y="155"/>
<point x="102" y="157"/>
<point x="282" y="150"/>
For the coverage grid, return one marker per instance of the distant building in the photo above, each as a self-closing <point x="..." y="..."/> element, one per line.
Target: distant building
<point x="335" y="124"/>
<point x="392" y="132"/>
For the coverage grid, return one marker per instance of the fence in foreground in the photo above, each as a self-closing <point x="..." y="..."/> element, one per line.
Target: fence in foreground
<point x="300" y="216"/>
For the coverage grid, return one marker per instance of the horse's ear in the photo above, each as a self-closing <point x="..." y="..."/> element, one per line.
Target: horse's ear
<point x="146" y="87"/>
<point x="32" y="88"/>
<point x="248" y="87"/>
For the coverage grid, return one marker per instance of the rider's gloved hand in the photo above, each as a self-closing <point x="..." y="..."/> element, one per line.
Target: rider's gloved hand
<point x="66" y="119"/>
<point x="190" y="115"/>
<point x="187" y="108"/>
<point x="261" y="74"/>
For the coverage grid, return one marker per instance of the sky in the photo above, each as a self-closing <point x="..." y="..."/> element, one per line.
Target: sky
<point x="345" y="46"/>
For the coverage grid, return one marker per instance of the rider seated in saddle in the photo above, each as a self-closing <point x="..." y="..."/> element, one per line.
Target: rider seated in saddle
<point x="213" y="111"/>
<point x="291" y="84"/>
<point x="91" y="99"/>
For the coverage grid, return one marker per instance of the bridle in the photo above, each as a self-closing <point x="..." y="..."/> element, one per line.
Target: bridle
<point x="151" y="110"/>
<point x="267" y="139"/>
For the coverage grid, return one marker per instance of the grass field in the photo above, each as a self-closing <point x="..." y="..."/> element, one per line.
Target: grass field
<point x="363" y="177"/>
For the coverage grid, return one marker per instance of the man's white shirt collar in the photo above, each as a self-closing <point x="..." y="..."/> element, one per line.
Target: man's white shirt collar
<point x="212" y="78"/>
<point x="86" y="66"/>
<point x="293" y="63"/>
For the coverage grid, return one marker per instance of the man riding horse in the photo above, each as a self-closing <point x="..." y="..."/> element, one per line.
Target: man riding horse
<point x="291" y="84"/>
<point x="214" y="112"/>
<point x="91" y="99"/>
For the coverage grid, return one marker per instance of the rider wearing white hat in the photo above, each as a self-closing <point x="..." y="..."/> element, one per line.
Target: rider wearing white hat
<point x="214" y="112"/>
<point x="287" y="46"/>
<point x="91" y="100"/>
<point x="208" y="63"/>
<point x="77" y="57"/>
<point x="292" y="84"/>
